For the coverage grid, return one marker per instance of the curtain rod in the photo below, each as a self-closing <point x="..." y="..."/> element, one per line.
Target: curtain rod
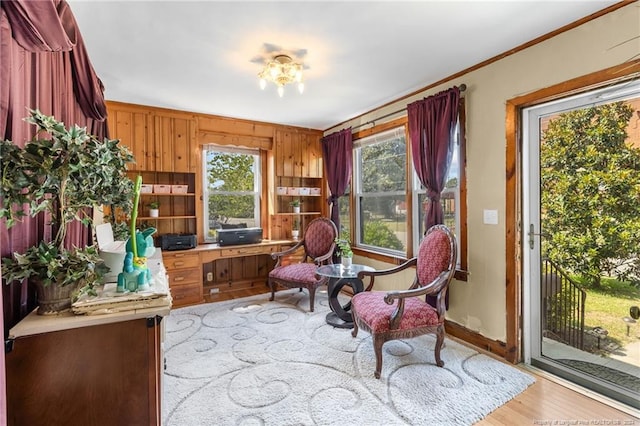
<point x="461" y="87"/>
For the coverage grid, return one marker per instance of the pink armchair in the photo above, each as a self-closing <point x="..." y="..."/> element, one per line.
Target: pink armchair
<point x="318" y="243"/>
<point x="405" y="314"/>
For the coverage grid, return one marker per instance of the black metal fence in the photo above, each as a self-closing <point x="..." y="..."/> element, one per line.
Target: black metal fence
<point x="563" y="305"/>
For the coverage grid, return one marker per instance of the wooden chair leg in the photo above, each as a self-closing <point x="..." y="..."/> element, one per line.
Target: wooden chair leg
<point x="377" y="348"/>
<point x="439" y="342"/>
<point x="354" y="332"/>
<point x="272" y="286"/>
<point x="312" y="298"/>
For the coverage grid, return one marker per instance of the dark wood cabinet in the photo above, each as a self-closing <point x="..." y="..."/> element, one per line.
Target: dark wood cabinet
<point x="97" y="373"/>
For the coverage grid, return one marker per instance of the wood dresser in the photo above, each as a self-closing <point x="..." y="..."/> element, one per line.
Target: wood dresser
<point x="86" y="370"/>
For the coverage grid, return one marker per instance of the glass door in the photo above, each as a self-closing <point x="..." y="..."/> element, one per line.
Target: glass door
<point x="581" y="232"/>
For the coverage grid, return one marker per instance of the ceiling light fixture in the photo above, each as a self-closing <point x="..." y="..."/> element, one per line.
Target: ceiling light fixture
<point x="281" y="70"/>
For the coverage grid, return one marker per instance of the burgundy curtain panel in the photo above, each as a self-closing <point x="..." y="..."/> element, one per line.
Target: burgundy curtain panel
<point x="337" y="153"/>
<point x="432" y="122"/>
<point x="44" y="65"/>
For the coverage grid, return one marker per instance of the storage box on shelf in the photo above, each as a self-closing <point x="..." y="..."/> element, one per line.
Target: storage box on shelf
<point x="179" y="189"/>
<point x="309" y="192"/>
<point x="175" y="193"/>
<point x="161" y="189"/>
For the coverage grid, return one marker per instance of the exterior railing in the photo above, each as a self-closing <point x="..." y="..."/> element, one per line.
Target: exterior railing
<point x="563" y="305"/>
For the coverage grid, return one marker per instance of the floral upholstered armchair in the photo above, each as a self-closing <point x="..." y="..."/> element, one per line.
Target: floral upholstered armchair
<point x="405" y="314"/>
<point x="318" y="243"/>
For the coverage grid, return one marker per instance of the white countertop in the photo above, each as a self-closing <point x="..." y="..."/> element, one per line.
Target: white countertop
<point x="107" y="307"/>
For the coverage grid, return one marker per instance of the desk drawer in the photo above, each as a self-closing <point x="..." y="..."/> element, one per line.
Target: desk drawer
<point x="181" y="260"/>
<point x="184" y="276"/>
<point x="186" y="294"/>
<point x="244" y="251"/>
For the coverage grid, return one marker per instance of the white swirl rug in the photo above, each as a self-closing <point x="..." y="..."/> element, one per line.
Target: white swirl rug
<point x="253" y="362"/>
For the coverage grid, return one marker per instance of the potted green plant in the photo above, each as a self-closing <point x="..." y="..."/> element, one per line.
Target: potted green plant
<point x="344" y="249"/>
<point x="153" y="209"/>
<point x="296" y="205"/>
<point x="65" y="172"/>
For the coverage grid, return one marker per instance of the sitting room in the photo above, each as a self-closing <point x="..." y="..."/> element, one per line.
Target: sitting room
<point x="320" y="212"/>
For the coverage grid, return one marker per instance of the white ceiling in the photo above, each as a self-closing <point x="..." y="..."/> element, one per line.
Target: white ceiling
<point x="200" y="55"/>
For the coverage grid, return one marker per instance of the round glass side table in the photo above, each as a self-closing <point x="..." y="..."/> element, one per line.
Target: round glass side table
<point x="339" y="276"/>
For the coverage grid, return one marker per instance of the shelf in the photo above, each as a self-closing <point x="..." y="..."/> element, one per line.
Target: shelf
<point x="299" y="195"/>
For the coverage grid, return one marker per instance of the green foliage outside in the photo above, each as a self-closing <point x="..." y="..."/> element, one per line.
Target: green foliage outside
<point x="383" y="171"/>
<point x="590" y="192"/>
<point x="607" y="304"/>
<point x="377" y="233"/>
<point x="230" y="177"/>
<point x="384" y="165"/>
<point x="383" y="183"/>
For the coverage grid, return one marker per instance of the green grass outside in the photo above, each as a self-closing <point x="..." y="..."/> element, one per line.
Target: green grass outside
<point x="607" y="305"/>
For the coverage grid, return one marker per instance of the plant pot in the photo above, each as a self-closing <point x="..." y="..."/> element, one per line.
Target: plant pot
<point x="53" y="299"/>
<point x="296" y="209"/>
<point x="346" y="262"/>
<point x="295" y="234"/>
<point x="154" y="213"/>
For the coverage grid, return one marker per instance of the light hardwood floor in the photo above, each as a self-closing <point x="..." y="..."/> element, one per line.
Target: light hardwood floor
<point x="546" y="402"/>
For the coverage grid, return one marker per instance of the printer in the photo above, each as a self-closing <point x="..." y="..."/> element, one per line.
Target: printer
<point x="171" y="242"/>
<point x="232" y="237"/>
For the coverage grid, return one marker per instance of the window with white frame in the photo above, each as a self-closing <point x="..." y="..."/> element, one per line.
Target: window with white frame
<point x="380" y="192"/>
<point x="231" y="189"/>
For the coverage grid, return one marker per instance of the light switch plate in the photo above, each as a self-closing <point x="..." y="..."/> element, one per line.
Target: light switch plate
<point x="490" y="217"/>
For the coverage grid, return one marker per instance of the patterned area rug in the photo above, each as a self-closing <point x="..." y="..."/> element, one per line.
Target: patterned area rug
<point x="254" y="362"/>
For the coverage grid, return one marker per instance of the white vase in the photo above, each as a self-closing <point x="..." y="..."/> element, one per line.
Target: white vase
<point x="295" y="234"/>
<point x="296" y="209"/>
<point x="346" y="262"/>
<point x="154" y="213"/>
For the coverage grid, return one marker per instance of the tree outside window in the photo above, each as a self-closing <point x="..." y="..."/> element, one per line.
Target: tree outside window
<point x="450" y="199"/>
<point x="231" y="189"/>
<point x="380" y="181"/>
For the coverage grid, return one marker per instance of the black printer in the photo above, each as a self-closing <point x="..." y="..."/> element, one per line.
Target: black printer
<point x="171" y="242"/>
<point x="232" y="237"/>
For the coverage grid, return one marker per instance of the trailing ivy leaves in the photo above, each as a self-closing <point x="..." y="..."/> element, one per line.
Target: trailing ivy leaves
<point x="65" y="172"/>
<point x="64" y="267"/>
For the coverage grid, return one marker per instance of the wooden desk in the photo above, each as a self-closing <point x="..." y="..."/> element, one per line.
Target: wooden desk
<point x="210" y="270"/>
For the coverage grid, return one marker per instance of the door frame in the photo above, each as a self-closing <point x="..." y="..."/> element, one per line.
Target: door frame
<point x="514" y="231"/>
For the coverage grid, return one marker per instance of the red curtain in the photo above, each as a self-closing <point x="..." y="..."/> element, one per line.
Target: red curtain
<point x="337" y="153"/>
<point x="431" y="123"/>
<point x="44" y="65"/>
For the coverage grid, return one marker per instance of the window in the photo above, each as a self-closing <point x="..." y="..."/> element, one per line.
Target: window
<point x="231" y="189"/>
<point x="450" y="198"/>
<point x="380" y="192"/>
<point x="345" y="212"/>
<point x="387" y="207"/>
